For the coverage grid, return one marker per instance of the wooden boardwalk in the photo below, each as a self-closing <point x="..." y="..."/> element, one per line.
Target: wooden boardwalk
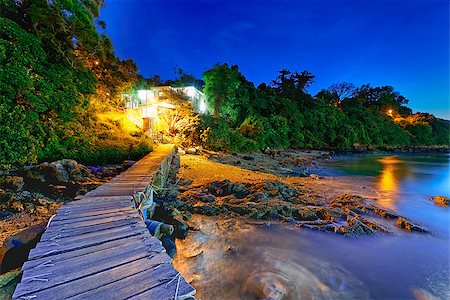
<point x="99" y="248"/>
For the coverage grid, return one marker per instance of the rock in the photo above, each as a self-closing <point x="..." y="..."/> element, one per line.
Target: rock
<point x="248" y="157"/>
<point x="354" y="230"/>
<point x="304" y="214"/>
<point x="15" y="249"/>
<point x="25" y="196"/>
<point x="441" y="200"/>
<point x="208" y="210"/>
<point x="14" y="183"/>
<point x="128" y="163"/>
<point x="239" y="190"/>
<point x="410" y="226"/>
<point x="314" y="176"/>
<point x="181" y="151"/>
<point x="60" y="171"/>
<point x="191" y="150"/>
<point x="181" y="228"/>
<point x="206" y="198"/>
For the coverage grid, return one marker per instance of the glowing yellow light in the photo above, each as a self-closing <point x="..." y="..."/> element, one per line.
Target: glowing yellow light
<point x="388" y="182"/>
<point x="97" y="62"/>
<point x="149" y="111"/>
<point x="142" y="95"/>
<point x="166" y="105"/>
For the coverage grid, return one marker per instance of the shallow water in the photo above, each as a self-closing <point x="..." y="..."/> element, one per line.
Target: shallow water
<point x="231" y="259"/>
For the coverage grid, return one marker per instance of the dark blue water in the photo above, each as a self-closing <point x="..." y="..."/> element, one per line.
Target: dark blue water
<point x="288" y="263"/>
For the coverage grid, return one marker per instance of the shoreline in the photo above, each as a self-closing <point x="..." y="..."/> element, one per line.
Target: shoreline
<point x="235" y="241"/>
<point x="268" y="187"/>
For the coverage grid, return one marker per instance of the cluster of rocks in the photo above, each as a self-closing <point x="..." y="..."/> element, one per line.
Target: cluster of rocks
<point x="63" y="178"/>
<point x="24" y="201"/>
<point x="349" y="215"/>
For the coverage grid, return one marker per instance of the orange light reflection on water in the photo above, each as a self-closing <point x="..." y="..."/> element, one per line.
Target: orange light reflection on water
<point x="387" y="183"/>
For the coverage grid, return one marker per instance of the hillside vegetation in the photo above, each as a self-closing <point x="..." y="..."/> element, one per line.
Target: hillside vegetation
<point x="283" y="114"/>
<point x="60" y="84"/>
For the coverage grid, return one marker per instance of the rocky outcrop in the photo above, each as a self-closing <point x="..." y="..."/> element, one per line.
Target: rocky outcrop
<point x="350" y="215"/>
<point x="409" y="225"/>
<point x="60" y="171"/>
<point x="441" y="200"/>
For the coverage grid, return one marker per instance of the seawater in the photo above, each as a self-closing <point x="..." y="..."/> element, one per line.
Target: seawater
<point x="232" y="259"/>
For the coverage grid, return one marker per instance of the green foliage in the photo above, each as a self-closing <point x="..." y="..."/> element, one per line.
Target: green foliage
<point x="284" y="115"/>
<point x="222" y="87"/>
<point x="218" y="135"/>
<point x="57" y="73"/>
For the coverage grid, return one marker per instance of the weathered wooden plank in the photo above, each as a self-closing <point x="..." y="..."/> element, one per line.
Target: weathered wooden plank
<point x="86" y="198"/>
<point x="137" y="283"/>
<point x="102" y="222"/>
<point x="46" y="248"/>
<point x="91" y="200"/>
<point x="93" y="208"/>
<point x="85" y="238"/>
<point x="114" y="193"/>
<point x="167" y="291"/>
<point x="130" y="242"/>
<point x="98" y="213"/>
<point x="94" y="281"/>
<point x="74" y="218"/>
<point x="94" y="221"/>
<point x="75" y="230"/>
<point x="84" y="266"/>
<point x="100" y="206"/>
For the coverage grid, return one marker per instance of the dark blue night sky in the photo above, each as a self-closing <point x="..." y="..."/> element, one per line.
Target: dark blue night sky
<point x="403" y="43"/>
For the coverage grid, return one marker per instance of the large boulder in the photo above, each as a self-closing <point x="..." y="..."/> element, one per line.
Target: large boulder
<point x="15" y="249"/>
<point x="59" y="171"/>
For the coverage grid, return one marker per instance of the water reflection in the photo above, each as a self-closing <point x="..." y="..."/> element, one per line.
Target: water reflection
<point x="388" y="181"/>
<point x="226" y="259"/>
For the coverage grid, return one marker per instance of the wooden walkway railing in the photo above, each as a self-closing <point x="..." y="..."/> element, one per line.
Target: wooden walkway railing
<point x="98" y="247"/>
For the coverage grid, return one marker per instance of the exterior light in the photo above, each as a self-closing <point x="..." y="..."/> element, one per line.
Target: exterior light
<point x="149" y="111"/>
<point x="166" y="105"/>
<point x="142" y="95"/>
<point x="97" y="62"/>
<point x="107" y="94"/>
<point x="202" y="106"/>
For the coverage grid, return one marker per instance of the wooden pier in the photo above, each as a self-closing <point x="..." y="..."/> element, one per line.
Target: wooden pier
<point x="98" y="247"/>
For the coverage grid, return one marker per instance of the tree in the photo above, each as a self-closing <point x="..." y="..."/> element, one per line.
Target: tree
<point x="293" y="85"/>
<point x="221" y="88"/>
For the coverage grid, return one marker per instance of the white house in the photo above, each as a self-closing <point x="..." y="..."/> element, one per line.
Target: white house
<point x="148" y="103"/>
